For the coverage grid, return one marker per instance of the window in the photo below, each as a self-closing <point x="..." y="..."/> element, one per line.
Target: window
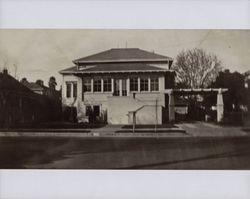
<point x="116" y="87"/>
<point x="88" y="110"/>
<point x="68" y="89"/>
<point x="124" y="87"/>
<point x="87" y="85"/>
<point x="97" y="85"/>
<point x="133" y="84"/>
<point x="154" y="84"/>
<point x="144" y="84"/>
<point x="74" y="89"/>
<point x="107" y="85"/>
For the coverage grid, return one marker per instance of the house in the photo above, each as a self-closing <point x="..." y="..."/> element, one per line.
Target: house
<point x="53" y="95"/>
<point x="119" y="86"/>
<point x="19" y="106"/>
<point x="36" y="88"/>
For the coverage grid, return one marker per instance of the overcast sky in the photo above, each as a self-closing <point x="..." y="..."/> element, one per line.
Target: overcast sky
<point x="39" y="54"/>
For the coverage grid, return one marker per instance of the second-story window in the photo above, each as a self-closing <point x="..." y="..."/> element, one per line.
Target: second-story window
<point x="107" y="85"/>
<point x="144" y="84"/>
<point x="97" y="85"/>
<point x="68" y="89"/>
<point x="154" y="84"/>
<point x="87" y="85"/>
<point x="133" y="84"/>
<point x="74" y="89"/>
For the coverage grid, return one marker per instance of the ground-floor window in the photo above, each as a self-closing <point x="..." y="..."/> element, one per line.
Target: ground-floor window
<point x="74" y="89"/>
<point x="68" y="89"/>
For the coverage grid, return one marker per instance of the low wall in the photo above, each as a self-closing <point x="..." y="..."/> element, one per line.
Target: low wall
<point x="148" y="114"/>
<point x="118" y="108"/>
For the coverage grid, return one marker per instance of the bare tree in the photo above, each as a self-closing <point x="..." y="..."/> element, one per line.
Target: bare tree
<point x="196" y="68"/>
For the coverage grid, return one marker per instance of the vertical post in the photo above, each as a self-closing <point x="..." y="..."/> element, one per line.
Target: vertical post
<point x="112" y="85"/>
<point x="79" y="89"/>
<point x="120" y="87"/>
<point x="149" y="84"/>
<point x="156" y="115"/>
<point x="171" y="106"/>
<point x="134" y="121"/>
<point x="220" y="106"/>
<point x="139" y="84"/>
<point x="128" y="86"/>
<point x="72" y="90"/>
<point x="102" y="85"/>
<point x="92" y="85"/>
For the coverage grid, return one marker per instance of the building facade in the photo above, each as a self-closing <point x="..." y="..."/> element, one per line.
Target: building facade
<point x="118" y="86"/>
<point x="20" y="106"/>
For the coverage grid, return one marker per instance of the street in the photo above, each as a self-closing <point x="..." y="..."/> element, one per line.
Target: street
<point x="125" y="153"/>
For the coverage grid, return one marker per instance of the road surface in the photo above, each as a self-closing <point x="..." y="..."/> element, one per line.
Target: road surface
<point x="125" y="153"/>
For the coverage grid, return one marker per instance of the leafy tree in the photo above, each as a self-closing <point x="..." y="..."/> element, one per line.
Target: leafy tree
<point x="196" y="68"/>
<point x="52" y="83"/>
<point x="24" y="80"/>
<point x="40" y="82"/>
<point x="236" y="94"/>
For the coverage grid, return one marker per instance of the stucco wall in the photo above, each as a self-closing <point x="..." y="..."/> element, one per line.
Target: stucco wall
<point x="118" y="108"/>
<point x="70" y="101"/>
<point x="148" y="114"/>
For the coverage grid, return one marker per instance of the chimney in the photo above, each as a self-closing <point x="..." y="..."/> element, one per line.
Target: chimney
<point x="5" y="71"/>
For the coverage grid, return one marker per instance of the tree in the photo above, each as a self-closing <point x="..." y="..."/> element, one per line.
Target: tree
<point x="40" y="82"/>
<point x="196" y="68"/>
<point x="52" y="83"/>
<point x="236" y="96"/>
<point x="24" y="80"/>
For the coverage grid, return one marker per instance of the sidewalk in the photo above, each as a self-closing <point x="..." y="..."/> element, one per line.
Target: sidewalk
<point x="196" y="129"/>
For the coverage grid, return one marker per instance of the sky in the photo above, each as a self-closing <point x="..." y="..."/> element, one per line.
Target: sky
<point x="42" y="53"/>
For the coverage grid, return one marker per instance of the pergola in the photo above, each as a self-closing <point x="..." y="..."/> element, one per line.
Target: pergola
<point x="198" y="91"/>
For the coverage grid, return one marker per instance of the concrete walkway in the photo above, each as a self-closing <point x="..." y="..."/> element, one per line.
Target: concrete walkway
<point x="196" y="129"/>
<point x="204" y="129"/>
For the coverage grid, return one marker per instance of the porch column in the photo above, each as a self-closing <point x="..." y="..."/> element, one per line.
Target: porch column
<point x="72" y="90"/>
<point x="149" y="84"/>
<point x="128" y="86"/>
<point x="139" y="84"/>
<point x="171" y="105"/>
<point x="102" y="85"/>
<point x="112" y="85"/>
<point x="79" y="89"/>
<point x="120" y="87"/>
<point x="220" y="106"/>
<point x="92" y="85"/>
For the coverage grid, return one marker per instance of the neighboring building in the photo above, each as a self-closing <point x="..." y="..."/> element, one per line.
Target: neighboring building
<point x="36" y="88"/>
<point x="120" y="85"/>
<point x="51" y="93"/>
<point x="19" y="106"/>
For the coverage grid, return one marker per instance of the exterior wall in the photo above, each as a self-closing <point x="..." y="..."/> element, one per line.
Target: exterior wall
<point x="70" y="101"/>
<point x="119" y="107"/>
<point x="116" y="108"/>
<point x="148" y="114"/>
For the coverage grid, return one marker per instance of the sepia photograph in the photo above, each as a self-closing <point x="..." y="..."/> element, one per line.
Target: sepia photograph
<point x="125" y="99"/>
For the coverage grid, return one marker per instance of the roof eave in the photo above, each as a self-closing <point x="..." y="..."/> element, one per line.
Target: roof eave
<point x="78" y="62"/>
<point x="125" y="71"/>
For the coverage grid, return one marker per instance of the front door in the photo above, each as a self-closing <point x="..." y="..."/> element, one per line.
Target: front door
<point x="120" y="90"/>
<point x="96" y="113"/>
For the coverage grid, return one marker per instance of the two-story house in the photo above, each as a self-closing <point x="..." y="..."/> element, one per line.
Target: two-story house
<point x="118" y="86"/>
